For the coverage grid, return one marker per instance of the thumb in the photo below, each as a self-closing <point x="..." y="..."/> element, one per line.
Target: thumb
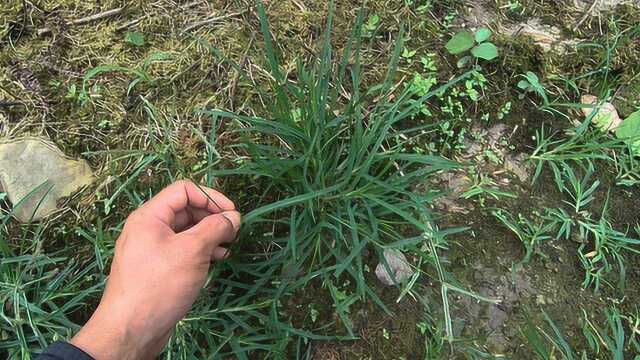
<point x="215" y="229"/>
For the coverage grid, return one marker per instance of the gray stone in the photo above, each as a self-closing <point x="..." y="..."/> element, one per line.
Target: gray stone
<point x="35" y="174"/>
<point x="398" y="265"/>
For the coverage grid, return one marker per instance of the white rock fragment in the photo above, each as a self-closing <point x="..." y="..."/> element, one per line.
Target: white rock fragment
<point x="547" y="37"/>
<point x="602" y="5"/>
<point x="606" y="119"/>
<point x="30" y="164"/>
<point x="398" y="265"/>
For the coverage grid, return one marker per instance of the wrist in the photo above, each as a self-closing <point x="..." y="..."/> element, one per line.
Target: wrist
<point x="105" y="337"/>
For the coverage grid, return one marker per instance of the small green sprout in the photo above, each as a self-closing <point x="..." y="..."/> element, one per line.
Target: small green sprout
<point x="372" y="24"/>
<point x="531" y="83"/>
<point x="408" y="55"/>
<point x="478" y="44"/>
<point x="504" y="110"/>
<point x="134" y="38"/>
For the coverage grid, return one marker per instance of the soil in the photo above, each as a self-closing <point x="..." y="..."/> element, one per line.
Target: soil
<point x="486" y="259"/>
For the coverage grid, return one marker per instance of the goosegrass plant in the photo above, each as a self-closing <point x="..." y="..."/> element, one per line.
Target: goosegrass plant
<point x="572" y="159"/>
<point x="567" y="158"/>
<point x="615" y="338"/>
<point x="141" y="75"/>
<point x="602" y="247"/>
<point x="581" y="191"/>
<point x="604" y="250"/>
<point x="532" y="232"/>
<point x="334" y="183"/>
<point x="483" y="187"/>
<point x="582" y="146"/>
<point x="628" y="169"/>
<point x="548" y="342"/>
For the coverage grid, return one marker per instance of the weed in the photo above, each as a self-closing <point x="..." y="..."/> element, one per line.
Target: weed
<point x="606" y="252"/>
<point x="39" y="291"/>
<point x="142" y="75"/>
<point x="532" y="233"/>
<point x="485" y="186"/>
<point x="580" y="190"/>
<point x="134" y="38"/>
<point x="531" y="83"/>
<point x="478" y="43"/>
<point x="371" y="25"/>
<point x="587" y="146"/>
<point x="612" y="341"/>
<point x="327" y="163"/>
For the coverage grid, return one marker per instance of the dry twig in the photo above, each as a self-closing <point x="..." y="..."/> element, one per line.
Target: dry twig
<point x="212" y="20"/>
<point x="84" y="20"/>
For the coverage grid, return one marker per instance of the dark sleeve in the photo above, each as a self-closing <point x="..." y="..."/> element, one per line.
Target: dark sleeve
<point x="61" y="350"/>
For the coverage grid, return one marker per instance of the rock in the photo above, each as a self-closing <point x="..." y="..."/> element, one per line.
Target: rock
<point x="495" y="135"/>
<point x="398" y="265"/>
<point x="518" y="166"/>
<point x="602" y="5"/>
<point x="485" y="139"/>
<point x="456" y="183"/>
<point x="547" y="37"/>
<point x="607" y="118"/>
<point x="30" y="164"/>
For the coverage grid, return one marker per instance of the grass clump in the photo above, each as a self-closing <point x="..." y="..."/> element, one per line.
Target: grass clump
<point x="335" y="183"/>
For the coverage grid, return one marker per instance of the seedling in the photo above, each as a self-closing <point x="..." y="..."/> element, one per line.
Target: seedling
<point x="134" y="38"/>
<point x="504" y="110"/>
<point x="408" y="55"/>
<point x="371" y="25"/>
<point x="479" y="44"/>
<point x="532" y="233"/>
<point x="531" y="83"/>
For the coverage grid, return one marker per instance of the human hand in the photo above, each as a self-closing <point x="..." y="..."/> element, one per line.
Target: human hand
<point x="161" y="262"/>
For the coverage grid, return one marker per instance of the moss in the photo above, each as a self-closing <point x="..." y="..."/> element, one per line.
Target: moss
<point x="41" y="71"/>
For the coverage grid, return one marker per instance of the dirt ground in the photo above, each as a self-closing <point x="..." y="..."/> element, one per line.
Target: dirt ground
<point x="45" y="58"/>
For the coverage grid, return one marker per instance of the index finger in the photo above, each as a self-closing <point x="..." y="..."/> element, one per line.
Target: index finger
<point x="182" y="195"/>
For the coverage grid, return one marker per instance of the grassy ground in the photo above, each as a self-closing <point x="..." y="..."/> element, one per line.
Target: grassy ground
<point x="334" y="159"/>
